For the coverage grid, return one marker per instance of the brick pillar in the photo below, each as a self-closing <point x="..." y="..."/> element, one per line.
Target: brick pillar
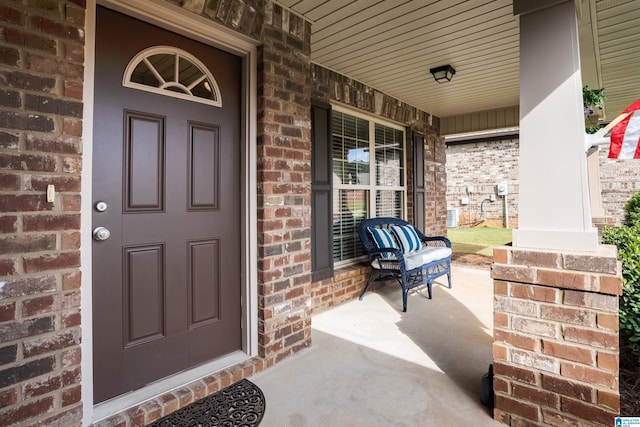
<point x="556" y="347"/>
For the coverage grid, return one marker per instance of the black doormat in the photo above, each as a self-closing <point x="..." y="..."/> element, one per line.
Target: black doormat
<point x="240" y="405"/>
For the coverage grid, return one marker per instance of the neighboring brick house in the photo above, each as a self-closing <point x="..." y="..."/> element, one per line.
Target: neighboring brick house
<point x="46" y="125"/>
<point x="485" y="163"/>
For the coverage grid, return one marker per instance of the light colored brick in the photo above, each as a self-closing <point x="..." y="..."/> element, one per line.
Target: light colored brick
<point x="535" y="360"/>
<point x="535" y="327"/>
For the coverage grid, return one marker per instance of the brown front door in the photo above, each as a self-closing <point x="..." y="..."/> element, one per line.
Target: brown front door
<point x="166" y="283"/>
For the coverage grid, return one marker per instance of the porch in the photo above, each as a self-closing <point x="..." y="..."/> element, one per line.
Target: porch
<point x="371" y="364"/>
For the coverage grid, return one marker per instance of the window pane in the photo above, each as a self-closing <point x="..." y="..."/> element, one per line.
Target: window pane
<point x="165" y="65"/>
<point x="389" y="203"/>
<point x="350" y="150"/>
<point x="349" y="208"/>
<point x="389" y="156"/>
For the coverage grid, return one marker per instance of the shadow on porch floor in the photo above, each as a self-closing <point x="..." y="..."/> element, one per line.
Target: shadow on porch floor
<point x="372" y="365"/>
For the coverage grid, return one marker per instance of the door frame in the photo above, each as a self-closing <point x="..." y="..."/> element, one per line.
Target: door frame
<point x="176" y="19"/>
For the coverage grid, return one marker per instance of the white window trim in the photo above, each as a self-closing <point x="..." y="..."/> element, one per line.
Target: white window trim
<point x="372" y="187"/>
<point x="165" y="85"/>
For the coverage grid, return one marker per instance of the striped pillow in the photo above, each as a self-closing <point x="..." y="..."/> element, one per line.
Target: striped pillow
<point x="383" y="239"/>
<point x="407" y="237"/>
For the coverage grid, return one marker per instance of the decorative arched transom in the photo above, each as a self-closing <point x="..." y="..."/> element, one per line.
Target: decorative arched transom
<point x="172" y="72"/>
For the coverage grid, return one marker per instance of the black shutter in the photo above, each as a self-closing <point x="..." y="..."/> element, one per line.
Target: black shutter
<point x="418" y="181"/>
<point x="321" y="200"/>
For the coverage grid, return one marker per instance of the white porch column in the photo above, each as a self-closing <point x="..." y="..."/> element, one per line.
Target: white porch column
<point x="554" y="207"/>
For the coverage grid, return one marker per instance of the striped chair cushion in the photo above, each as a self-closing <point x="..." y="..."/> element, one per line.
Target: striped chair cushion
<point x="407" y="237"/>
<point x="383" y="240"/>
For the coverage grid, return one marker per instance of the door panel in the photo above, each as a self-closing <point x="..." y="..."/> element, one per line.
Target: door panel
<point x="166" y="284"/>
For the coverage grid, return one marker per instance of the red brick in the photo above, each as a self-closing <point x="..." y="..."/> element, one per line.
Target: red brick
<point x="500" y="256"/>
<point x="500" y="288"/>
<point x="27" y="162"/>
<point x="8" y="397"/>
<point x="561" y="419"/>
<point x="564" y="279"/>
<point x="11" y="16"/>
<point x="30" y="40"/>
<point x="7" y="311"/>
<point x="72" y="127"/>
<point x="608" y="361"/>
<point x="516" y="339"/>
<point x="27" y="411"/>
<point x="70" y="240"/>
<point x="568" y="352"/>
<point x="24" y="203"/>
<point x="589" y="375"/>
<point x="169" y="403"/>
<point x="47" y="26"/>
<point x="568" y="315"/>
<point x="609" y="400"/>
<point x="502" y="416"/>
<point x="533" y="292"/>
<point x="41" y="386"/>
<point x="71" y="357"/>
<point x="71" y="396"/>
<point x="8" y="224"/>
<point x="39" y="305"/>
<point x="7" y="267"/>
<point x="9" y="182"/>
<point x="51" y="222"/>
<point x="567" y="388"/>
<point x="72" y="280"/>
<point x="609" y="321"/>
<point x="52" y="144"/>
<point x="588" y="412"/>
<point x="61" y="183"/>
<point x="500" y="385"/>
<point x="517" y="407"/>
<point x="71" y="319"/>
<point x="536" y="395"/>
<point x="74" y="52"/>
<point x="73" y="89"/>
<point x="27" y="243"/>
<point x="52" y="262"/>
<point x="611" y="285"/>
<point x="500" y="320"/>
<point x="591" y="337"/>
<point x="517" y="373"/>
<point x="152" y="410"/>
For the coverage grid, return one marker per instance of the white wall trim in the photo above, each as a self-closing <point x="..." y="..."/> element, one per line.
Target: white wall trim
<point x="171" y="17"/>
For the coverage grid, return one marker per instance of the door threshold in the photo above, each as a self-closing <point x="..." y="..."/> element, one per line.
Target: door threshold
<point x="125" y="401"/>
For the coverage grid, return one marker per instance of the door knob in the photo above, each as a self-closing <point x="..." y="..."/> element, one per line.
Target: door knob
<point x="101" y="233"/>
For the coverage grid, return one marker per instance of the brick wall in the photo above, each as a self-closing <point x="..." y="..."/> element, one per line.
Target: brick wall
<point x="484" y="164"/>
<point x="619" y="180"/>
<point x="41" y="84"/>
<point x="284" y="185"/>
<point x="556" y="349"/>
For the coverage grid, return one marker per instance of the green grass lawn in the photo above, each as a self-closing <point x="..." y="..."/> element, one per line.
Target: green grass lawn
<point x="478" y="240"/>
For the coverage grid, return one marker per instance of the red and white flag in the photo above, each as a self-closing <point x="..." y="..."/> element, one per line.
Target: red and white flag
<point x="625" y="134"/>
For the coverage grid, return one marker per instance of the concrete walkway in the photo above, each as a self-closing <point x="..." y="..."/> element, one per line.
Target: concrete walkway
<point x="371" y="365"/>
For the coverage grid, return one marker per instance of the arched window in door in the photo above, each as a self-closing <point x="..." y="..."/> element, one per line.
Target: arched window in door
<point x="172" y="72"/>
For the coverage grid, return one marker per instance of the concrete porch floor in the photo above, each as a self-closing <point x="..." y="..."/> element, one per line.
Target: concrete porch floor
<point x="372" y="365"/>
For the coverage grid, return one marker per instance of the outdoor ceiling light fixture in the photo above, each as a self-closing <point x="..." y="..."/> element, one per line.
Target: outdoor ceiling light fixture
<point x="442" y="74"/>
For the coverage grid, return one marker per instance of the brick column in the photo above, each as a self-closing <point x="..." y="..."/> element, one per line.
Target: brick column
<point x="556" y="347"/>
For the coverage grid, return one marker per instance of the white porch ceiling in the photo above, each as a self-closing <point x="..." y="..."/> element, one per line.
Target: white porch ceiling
<point x="392" y="44"/>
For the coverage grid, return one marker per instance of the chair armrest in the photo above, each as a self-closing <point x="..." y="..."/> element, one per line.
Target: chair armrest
<point x="437" y="241"/>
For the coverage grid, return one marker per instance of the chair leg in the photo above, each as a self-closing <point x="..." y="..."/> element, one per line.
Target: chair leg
<point x="369" y="282"/>
<point x="405" y="292"/>
<point x="449" y="275"/>
<point x="429" y="289"/>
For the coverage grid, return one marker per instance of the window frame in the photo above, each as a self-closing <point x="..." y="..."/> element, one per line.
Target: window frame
<point x="372" y="187"/>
